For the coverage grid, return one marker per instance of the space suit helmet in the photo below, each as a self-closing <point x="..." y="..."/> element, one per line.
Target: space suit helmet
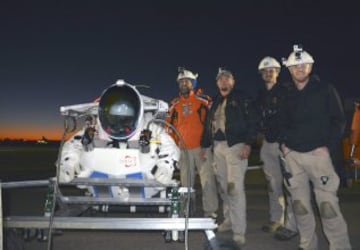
<point x="120" y="110"/>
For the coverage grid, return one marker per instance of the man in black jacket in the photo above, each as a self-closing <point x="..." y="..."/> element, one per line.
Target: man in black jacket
<point x="270" y="97"/>
<point x="312" y="123"/>
<point x="231" y="127"/>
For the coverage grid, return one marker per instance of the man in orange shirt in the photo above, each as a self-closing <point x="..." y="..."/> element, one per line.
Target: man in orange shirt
<point x="187" y="114"/>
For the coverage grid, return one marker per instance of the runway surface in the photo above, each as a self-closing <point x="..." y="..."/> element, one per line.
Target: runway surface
<point x="30" y="201"/>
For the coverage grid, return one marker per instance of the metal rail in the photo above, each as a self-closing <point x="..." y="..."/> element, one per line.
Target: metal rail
<point x="110" y="223"/>
<point x="117" y="182"/>
<point x="22" y="184"/>
<point x="90" y="182"/>
<point x="114" y="201"/>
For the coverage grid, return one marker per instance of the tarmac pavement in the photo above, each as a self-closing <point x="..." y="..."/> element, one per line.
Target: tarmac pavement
<point x="30" y="201"/>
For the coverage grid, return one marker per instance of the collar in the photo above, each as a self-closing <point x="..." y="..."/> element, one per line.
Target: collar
<point x="191" y="94"/>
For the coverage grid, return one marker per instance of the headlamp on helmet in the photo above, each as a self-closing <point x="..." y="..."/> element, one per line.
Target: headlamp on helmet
<point x="297" y="57"/>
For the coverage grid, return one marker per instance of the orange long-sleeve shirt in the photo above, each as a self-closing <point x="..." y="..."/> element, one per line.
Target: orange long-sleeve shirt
<point x="187" y="115"/>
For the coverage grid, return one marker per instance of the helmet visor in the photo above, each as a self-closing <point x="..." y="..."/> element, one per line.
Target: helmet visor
<point x="120" y="111"/>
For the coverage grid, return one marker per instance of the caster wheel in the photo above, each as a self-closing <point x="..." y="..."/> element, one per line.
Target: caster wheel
<point x="167" y="236"/>
<point x="42" y="235"/>
<point x="181" y="236"/>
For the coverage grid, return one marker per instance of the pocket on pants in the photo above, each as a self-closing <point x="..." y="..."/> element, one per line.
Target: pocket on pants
<point x="323" y="174"/>
<point x="292" y="168"/>
<point x="293" y="163"/>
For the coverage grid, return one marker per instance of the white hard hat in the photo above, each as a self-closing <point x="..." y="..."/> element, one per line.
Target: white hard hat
<point x="269" y="62"/>
<point x="298" y="56"/>
<point x="186" y="74"/>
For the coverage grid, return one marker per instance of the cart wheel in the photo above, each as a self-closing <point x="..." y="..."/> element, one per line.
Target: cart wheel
<point x="27" y="234"/>
<point x="167" y="236"/>
<point x="181" y="236"/>
<point x="42" y="235"/>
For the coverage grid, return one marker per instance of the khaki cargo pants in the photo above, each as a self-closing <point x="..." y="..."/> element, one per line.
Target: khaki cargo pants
<point x="229" y="168"/>
<point x="280" y="211"/>
<point x="316" y="167"/>
<point x="194" y="164"/>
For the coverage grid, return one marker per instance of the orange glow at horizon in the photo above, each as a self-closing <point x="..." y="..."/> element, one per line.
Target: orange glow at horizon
<point x="34" y="134"/>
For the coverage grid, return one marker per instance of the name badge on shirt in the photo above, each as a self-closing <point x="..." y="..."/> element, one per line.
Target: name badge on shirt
<point x="187" y="108"/>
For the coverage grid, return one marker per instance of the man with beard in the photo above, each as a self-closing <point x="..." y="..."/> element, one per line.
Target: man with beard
<point x="187" y="114"/>
<point x="231" y="128"/>
<point x="312" y="123"/>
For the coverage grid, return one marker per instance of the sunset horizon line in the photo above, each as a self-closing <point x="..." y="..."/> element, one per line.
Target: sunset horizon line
<point x="28" y="139"/>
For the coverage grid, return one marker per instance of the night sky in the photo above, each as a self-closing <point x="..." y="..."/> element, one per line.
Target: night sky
<point x="59" y="53"/>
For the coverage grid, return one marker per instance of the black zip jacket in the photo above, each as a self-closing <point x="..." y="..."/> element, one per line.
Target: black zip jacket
<point x="312" y="117"/>
<point x="268" y="105"/>
<point x="241" y="123"/>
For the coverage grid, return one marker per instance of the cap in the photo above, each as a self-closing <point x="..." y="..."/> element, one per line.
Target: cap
<point x="224" y="72"/>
